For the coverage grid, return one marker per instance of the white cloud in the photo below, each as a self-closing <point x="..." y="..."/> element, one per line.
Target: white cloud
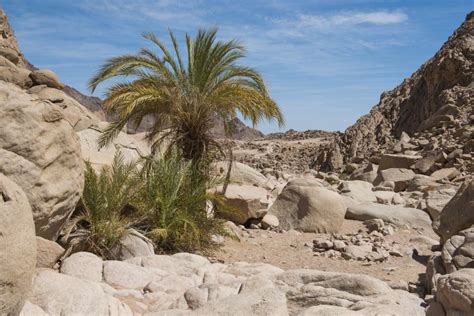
<point x="344" y="19"/>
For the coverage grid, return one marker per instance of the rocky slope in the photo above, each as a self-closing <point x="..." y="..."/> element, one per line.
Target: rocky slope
<point x="440" y="93"/>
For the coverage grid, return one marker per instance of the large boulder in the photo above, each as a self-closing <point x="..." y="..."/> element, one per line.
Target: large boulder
<point x="437" y="199"/>
<point x="60" y="294"/>
<point x="46" y="77"/>
<point x="388" y="161"/>
<point x="399" y="176"/>
<point x="398" y="215"/>
<point x="367" y="174"/>
<point x="241" y="174"/>
<point x="133" y="244"/>
<point x="445" y="173"/>
<point x="355" y="294"/>
<point x="83" y="265"/>
<point x="131" y="147"/>
<point x="17" y="247"/>
<point x="75" y="113"/>
<point x="49" y="252"/>
<point x="458" y="214"/>
<point x="458" y="251"/>
<point x="41" y="153"/>
<point x="15" y="75"/>
<point x="358" y="190"/>
<point x="245" y="202"/>
<point x="455" y="291"/>
<point x="307" y="206"/>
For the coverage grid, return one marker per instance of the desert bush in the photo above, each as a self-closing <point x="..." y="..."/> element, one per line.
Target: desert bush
<point x="174" y="205"/>
<point x="105" y="210"/>
<point x="165" y="198"/>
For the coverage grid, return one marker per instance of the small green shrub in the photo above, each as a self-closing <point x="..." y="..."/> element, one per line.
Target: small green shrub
<point x="174" y="202"/>
<point x="103" y="214"/>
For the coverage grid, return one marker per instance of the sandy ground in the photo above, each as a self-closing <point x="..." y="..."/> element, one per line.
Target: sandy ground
<point x="293" y="251"/>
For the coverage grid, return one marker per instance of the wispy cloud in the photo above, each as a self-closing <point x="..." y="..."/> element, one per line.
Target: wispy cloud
<point x="343" y="19"/>
<point x="352" y="18"/>
<point x="181" y="14"/>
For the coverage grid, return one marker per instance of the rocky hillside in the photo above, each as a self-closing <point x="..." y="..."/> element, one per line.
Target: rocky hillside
<point x="440" y="93"/>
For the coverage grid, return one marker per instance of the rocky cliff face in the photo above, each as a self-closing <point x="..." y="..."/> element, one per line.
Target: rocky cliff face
<point x="8" y="44"/>
<point x="441" y="90"/>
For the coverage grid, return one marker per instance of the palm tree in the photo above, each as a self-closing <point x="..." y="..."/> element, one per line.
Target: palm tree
<point x="184" y="96"/>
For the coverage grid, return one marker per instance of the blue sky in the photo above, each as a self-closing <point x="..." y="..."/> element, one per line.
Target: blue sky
<point x="326" y="61"/>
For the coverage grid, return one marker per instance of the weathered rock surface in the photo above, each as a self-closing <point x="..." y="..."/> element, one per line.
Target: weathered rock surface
<point x="129" y="146"/>
<point x="17" y="247"/>
<point x="83" y="265"/>
<point x="399" y="177"/>
<point x="358" y="190"/>
<point x="189" y="284"/>
<point x="46" y="77"/>
<point x="133" y="244"/>
<point x="307" y="206"/>
<point x="49" y="253"/>
<point x="60" y="294"/>
<point x="455" y="292"/>
<point x="388" y="161"/>
<point x="397" y="215"/>
<point x="245" y="202"/>
<point x="458" y="214"/>
<point x="37" y="149"/>
<point x="458" y="251"/>
<point x="242" y="174"/>
<point x="8" y="45"/>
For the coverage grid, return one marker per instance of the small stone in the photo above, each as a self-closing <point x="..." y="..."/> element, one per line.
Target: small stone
<point x="323" y="243"/>
<point x="339" y="245"/>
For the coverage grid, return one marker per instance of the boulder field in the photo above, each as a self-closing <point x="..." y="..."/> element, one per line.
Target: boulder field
<point x="393" y="200"/>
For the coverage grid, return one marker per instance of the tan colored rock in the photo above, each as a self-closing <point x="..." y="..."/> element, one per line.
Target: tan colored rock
<point x="17" y="247"/>
<point x="40" y="152"/>
<point x="46" y="77"/>
<point x="60" y="294"/>
<point x="400" y="177"/>
<point x="358" y="190"/>
<point x="15" y="75"/>
<point x="388" y="161"/>
<point x="133" y="244"/>
<point x="458" y="251"/>
<point x="398" y="215"/>
<point x="241" y="174"/>
<point x="458" y="213"/>
<point x="437" y="199"/>
<point x="83" y="265"/>
<point x="76" y="114"/>
<point x="446" y="173"/>
<point x="49" y="253"/>
<point x="9" y="54"/>
<point x="125" y="275"/>
<point x="246" y="202"/>
<point x="367" y="174"/>
<point x="305" y="205"/>
<point x="455" y="291"/>
<point x="130" y="146"/>
<point x="361" y="293"/>
<point x="270" y="221"/>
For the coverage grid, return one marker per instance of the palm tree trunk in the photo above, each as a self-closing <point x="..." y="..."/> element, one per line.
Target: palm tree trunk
<point x="229" y="170"/>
